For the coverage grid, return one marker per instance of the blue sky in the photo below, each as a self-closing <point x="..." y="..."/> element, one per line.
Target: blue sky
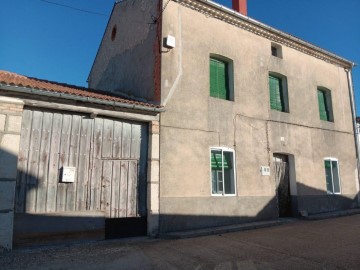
<point x="56" y="43"/>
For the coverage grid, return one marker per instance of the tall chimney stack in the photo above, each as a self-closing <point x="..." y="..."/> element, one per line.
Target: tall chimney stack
<point x="240" y="6"/>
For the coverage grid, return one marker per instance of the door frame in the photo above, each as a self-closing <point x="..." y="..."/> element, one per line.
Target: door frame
<point x="292" y="183"/>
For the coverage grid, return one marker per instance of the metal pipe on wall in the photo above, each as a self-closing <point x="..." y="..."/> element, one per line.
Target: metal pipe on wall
<point x="353" y="112"/>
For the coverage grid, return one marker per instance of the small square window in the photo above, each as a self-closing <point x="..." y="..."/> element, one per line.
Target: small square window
<point x="332" y="176"/>
<point x="222" y="171"/>
<point x="276" y="50"/>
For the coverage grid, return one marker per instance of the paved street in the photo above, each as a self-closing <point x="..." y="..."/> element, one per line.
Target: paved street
<point x="323" y="244"/>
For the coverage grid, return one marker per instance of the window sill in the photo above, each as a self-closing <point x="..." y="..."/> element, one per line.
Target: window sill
<point x="216" y="98"/>
<point x="279" y="111"/>
<point x="223" y="195"/>
<point x="326" y="121"/>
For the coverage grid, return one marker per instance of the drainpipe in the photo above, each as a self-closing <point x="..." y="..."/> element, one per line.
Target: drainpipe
<point x="353" y="111"/>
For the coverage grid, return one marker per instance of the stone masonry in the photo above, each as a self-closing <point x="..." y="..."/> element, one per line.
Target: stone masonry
<point x="10" y="127"/>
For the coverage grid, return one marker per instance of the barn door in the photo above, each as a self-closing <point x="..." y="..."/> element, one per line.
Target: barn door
<point x="109" y="161"/>
<point x="118" y="171"/>
<point x="281" y="167"/>
<point x="119" y="190"/>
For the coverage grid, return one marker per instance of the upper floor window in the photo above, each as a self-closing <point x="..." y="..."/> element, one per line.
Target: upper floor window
<point x="325" y="104"/>
<point x="222" y="171"/>
<point x="276" y="50"/>
<point x="221" y="78"/>
<point x="332" y="176"/>
<point x="278" y="93"/>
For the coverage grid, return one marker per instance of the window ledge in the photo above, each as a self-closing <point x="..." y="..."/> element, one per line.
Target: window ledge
<point x="221" y="195"/>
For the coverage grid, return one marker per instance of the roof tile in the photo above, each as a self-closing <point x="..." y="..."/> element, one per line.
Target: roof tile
<point x="13" y="79"/>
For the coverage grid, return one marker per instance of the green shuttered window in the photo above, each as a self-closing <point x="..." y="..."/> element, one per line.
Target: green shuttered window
<point x="324" y="100"/>
<point x="277" y="101"/>
<point x="219" y="79"/>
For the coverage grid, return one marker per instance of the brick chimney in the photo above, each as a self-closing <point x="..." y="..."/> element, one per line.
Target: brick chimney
<point x="240" y="6"/>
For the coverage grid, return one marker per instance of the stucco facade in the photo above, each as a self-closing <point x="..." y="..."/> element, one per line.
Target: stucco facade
<point x="194" y="122"/>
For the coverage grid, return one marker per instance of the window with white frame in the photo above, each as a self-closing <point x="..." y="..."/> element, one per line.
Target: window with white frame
<point x="222" y="171"/>
<point x="332" y="174"/>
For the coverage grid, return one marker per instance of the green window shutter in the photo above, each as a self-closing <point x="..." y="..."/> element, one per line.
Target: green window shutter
<point x="219" y="79"/>
<point x="213" y="78"/>
<point x="323" y="110"/>
<point x="276" y="94"/>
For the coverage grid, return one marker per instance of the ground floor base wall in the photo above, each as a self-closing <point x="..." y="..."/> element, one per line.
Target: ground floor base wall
<point x="314" y="204"/>
<point x="6" y="229"/>
<point x="54" y="228"/>
<point x="178" y="214"/>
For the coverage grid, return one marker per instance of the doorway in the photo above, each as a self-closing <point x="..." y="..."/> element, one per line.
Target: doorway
<point x="282" y="182"/>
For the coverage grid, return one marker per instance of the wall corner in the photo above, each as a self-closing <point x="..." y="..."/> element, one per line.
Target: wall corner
<point x="10" y="128"/>
<point x="153" y="184"/>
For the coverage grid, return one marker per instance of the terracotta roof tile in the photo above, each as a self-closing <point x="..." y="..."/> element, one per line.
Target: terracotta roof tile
<point x="13" y="79"/>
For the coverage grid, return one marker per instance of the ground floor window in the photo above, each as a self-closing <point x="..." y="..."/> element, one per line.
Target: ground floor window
<point x="332" y="176"/>
<point x="222" y="171"/>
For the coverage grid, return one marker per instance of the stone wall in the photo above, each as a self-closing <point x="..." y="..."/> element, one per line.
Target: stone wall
<point x="10" y="126"/>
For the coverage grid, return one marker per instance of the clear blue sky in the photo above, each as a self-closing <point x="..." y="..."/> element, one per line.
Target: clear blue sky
<point x="52" y="42"/>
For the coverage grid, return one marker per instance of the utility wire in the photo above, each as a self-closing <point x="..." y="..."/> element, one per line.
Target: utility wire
<point x="74" y="8"/>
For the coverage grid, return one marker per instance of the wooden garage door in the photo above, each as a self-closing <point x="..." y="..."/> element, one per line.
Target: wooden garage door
<point x="109" y="156"/>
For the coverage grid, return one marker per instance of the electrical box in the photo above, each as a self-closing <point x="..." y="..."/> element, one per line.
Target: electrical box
<point x="170" y="42"/>
<point x="265" y="170"/>
<point x="68" y="174"/>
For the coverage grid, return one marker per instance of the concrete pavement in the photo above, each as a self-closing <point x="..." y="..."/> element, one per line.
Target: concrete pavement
<point x="321" y="244"/>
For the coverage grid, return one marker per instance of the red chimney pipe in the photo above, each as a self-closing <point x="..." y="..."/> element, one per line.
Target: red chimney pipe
<point x="240" y="6"/>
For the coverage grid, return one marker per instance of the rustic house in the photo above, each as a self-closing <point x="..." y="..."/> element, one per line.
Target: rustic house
<point x="206" y="118"/>
<point x="257" y="123"/>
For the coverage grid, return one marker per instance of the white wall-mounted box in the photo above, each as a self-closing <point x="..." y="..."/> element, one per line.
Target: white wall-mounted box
<point x="170" y="41"/>
<point x="68" y="174"/>
<point x="265" y="170"/>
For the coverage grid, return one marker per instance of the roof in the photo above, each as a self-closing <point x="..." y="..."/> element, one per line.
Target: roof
<point x="15" y="81"/>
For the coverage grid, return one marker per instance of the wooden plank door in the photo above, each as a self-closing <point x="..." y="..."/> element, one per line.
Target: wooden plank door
<point x="119" y="161"/>
<point x="109" y="156"/>
<point x="119" y="189"/>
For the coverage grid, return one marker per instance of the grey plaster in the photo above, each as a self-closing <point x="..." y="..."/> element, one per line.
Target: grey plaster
<point x="126" y="64"/>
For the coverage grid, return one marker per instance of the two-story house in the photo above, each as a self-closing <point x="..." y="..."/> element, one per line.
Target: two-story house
<point x="257" y="123"/>
<point x="206" y="118"/>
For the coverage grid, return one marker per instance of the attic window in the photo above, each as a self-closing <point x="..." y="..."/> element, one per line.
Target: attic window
<point x="113" y="33"/>
<point x="276" y="50"/>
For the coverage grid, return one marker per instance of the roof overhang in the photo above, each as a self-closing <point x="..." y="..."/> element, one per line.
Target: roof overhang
<point x="91" y="100"/>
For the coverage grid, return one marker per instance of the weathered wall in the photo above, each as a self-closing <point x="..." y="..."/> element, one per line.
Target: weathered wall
<point x="194" y="122"/>
<point x="119" y="60"/>
<point x="109" y="157"/>
<point x="10" y="126"/>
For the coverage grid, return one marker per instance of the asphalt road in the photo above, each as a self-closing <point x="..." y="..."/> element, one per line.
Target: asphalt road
<point x="323" y="244"/>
